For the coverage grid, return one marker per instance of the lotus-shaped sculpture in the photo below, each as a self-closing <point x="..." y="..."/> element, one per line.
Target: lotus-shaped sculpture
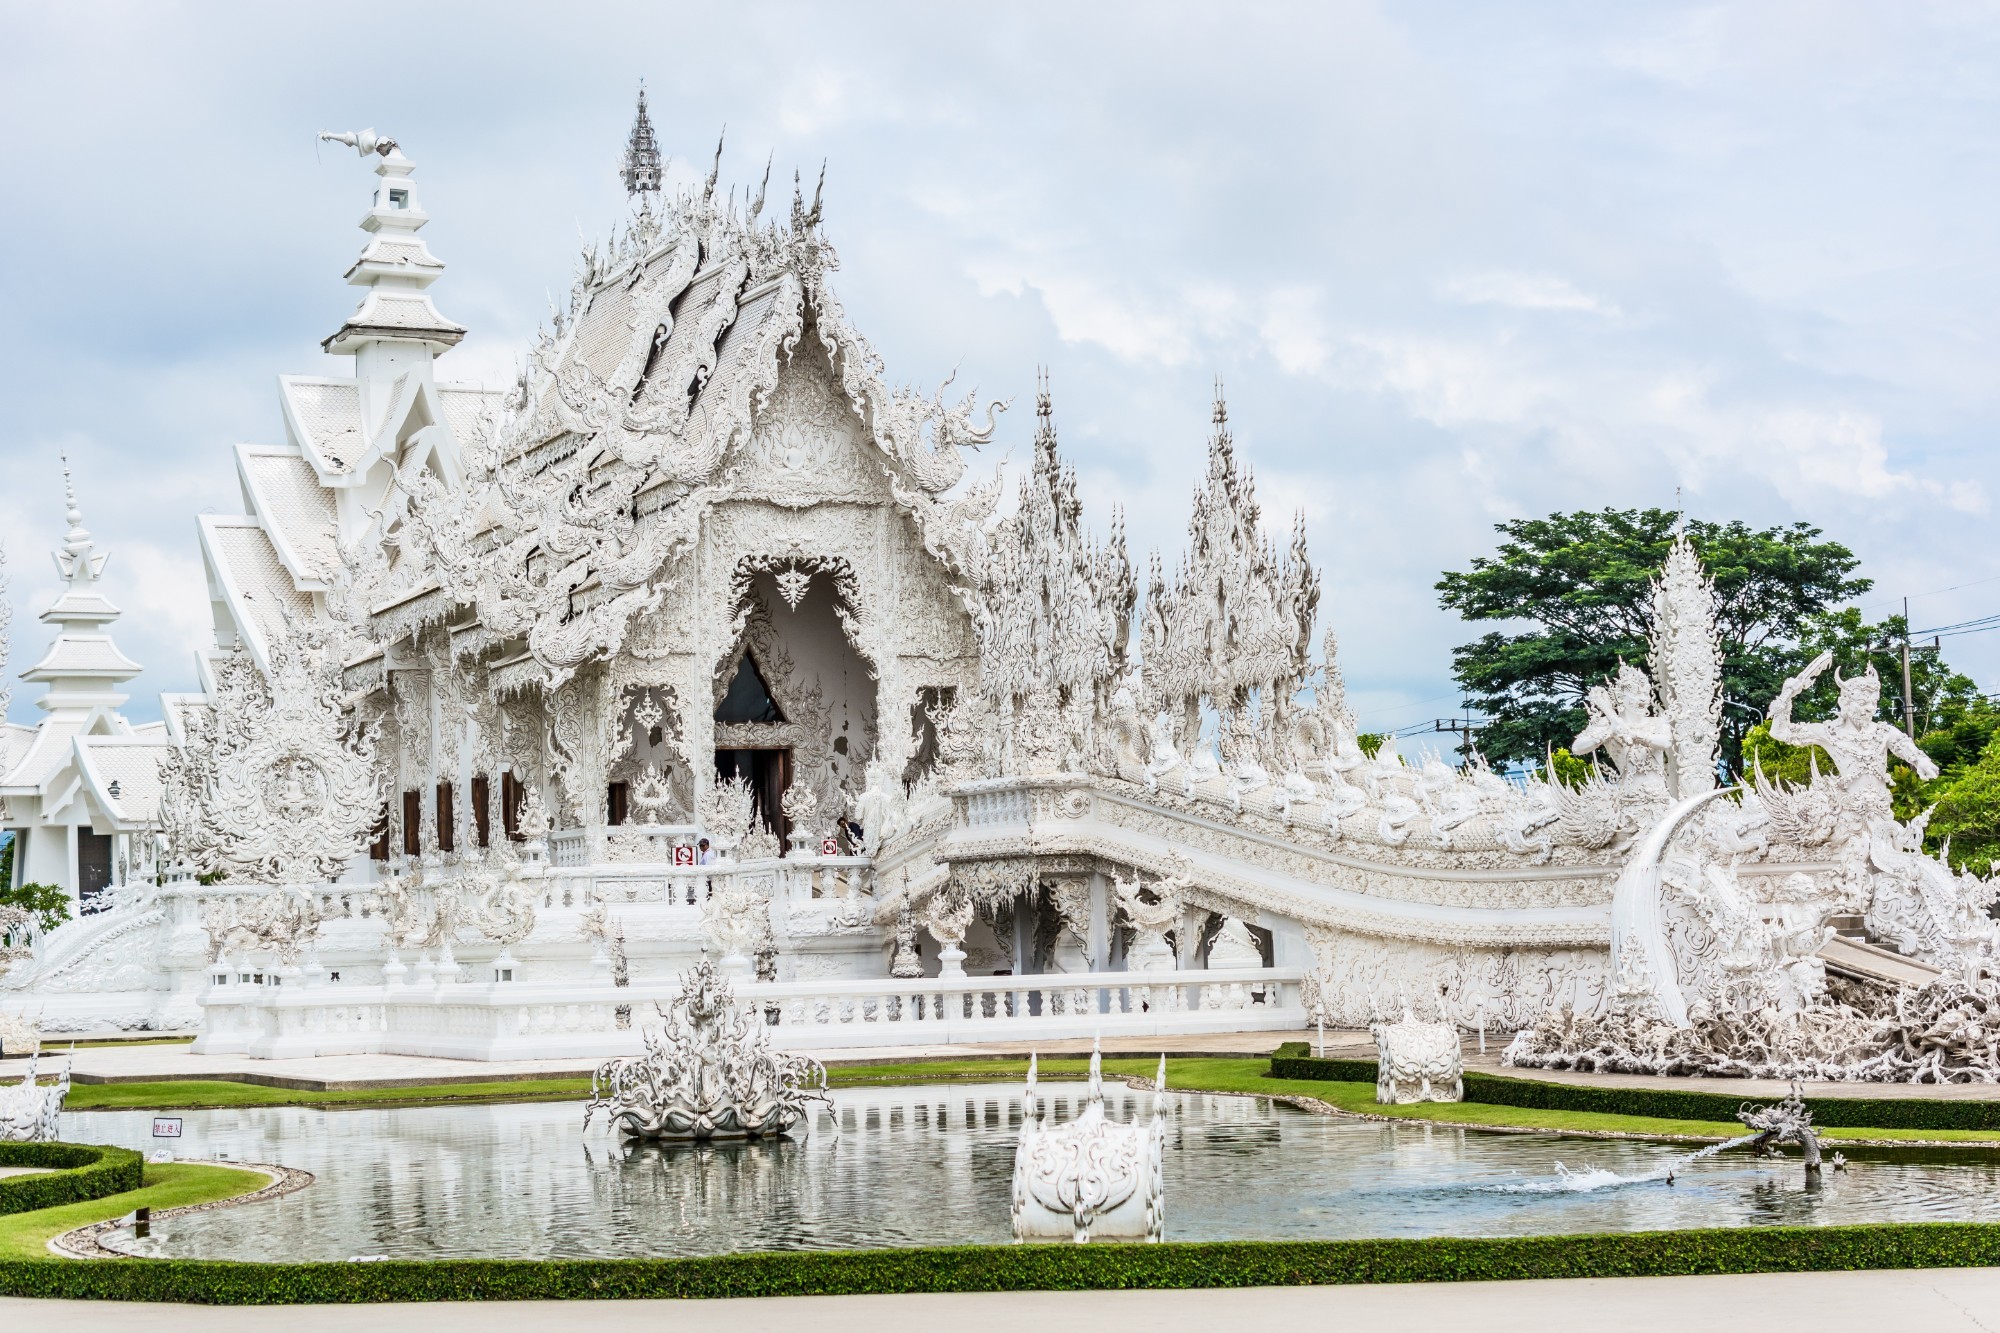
<point x="707" y="1073"/>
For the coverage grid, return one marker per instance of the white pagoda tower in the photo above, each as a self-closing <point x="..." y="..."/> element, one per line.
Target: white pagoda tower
<point x="81" y="788"/>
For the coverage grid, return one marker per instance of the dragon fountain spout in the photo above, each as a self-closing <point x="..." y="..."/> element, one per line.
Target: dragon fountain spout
<point x="1787" y="1121"/>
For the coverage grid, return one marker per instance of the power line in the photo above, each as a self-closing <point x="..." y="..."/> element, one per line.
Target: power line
<point x="1976" y="626"/>
<point x="1891" y="601"/>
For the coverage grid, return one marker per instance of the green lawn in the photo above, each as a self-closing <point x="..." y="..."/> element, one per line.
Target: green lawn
<point x="168" y="1185"/>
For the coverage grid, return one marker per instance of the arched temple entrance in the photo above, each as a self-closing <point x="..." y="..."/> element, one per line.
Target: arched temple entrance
<point x="795" y="706"/>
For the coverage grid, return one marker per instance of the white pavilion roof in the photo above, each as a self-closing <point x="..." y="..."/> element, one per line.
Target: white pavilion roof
<point x="83" y="655"/>
<point x="253" y="578"/>
<point x="299" y="514"/>
<point x="47" y="750"/>
<point x="132" y="763"/>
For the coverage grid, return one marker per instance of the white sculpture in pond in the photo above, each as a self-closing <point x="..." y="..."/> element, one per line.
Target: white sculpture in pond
<point x="1091" y="1178"/>
<point x="1417" y="1061"/>
<point x="29" y="1111"/>
<point x="708" y="1073"/>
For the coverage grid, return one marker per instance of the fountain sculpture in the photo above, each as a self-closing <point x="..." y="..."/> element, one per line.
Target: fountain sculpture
<point x="1417" y="1061"/>
<point x="1091" y="1177"/>
<point x="1787" y="1121"/>
<point x="708" y="1073"/>
<point x="28" y="1110"/>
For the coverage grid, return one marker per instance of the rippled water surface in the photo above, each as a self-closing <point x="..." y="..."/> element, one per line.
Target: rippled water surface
<point x="932" y="1165"/>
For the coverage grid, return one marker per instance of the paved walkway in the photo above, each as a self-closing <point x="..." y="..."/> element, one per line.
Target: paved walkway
<point x="1934" y="1300"/>
<point x="139" y="1063"/>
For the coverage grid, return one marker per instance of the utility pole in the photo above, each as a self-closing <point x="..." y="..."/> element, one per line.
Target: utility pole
<point x="1909" y="704"/>
<point x="1464" y="728"/>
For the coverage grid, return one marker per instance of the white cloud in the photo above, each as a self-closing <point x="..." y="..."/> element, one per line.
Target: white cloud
<point x="1457" y="265"/>
<point x="1525" y="291"/>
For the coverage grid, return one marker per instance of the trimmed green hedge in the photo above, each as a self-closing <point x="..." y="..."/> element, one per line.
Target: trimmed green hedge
<point x="1664" y="1103"/>
<point x="1018" y="1267"/>
<point x="78" y="1172"/>
<point x="1309" y="1069"/>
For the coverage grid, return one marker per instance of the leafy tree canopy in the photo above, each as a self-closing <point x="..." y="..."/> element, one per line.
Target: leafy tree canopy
<point x="1583" y="583"/>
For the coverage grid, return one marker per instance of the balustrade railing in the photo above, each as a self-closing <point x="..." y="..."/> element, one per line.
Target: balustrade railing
<point x="552" y="1020"/>
<point x="789" y="879"/>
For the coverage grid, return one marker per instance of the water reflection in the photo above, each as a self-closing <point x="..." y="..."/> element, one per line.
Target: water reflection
<point x="932" y="1165"/>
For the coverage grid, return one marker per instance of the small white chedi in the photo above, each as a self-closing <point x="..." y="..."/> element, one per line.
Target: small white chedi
<point x="708" y="1073"/>
<point x="1417" y="1061"/>
<point x="29" y="1110"/>
<point x="1091" y="1178"/>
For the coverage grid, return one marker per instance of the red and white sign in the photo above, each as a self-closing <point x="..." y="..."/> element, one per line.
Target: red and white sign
<point x="829" y="846"/>
<point x="166" y="1126"/>
<point x="683" y="854"/>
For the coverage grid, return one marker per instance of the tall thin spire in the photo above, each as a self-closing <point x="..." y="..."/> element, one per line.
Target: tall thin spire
<point x="76" y="542"/>
<point x="642" y="170"/>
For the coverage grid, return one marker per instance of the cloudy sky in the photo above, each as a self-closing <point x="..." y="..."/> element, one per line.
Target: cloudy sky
<point x="1457" y="263"/>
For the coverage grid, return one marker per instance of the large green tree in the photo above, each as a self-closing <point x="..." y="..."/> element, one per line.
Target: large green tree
<point x="1581" y="585"/>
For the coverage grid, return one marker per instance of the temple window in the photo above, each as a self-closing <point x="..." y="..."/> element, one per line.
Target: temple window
<point x="444" y="817"/>
<point x="511" y="796"/>
<point x="481" y="821"/>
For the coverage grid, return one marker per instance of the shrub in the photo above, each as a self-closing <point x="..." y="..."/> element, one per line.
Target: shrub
<point x="1664" y="1103"/>
<point x="47" y="903"/>
<point x="79" y="1172"/>
<point x="1020" y="1267"/>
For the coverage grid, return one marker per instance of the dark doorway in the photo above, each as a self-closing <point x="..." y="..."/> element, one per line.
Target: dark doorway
<point x="769" y="773"/>
<point x="93" y="864"/>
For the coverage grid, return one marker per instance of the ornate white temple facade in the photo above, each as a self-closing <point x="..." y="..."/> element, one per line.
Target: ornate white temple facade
<point x="703" y="641"/>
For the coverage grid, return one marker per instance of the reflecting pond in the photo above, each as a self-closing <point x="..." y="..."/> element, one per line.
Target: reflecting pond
<point x="933" y="1164"/>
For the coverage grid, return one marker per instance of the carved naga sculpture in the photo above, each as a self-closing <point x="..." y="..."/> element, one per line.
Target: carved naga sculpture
<point x="29" y="1112"/>
<point x="1417" y="1062"/>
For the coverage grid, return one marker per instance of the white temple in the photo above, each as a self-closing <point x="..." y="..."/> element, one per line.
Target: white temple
<point x="702" y="641"/>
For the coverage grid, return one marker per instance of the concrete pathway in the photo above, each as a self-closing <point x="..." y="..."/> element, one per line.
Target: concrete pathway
<point x="138" y="1063"/>
<point x="1934" y="1300"/>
